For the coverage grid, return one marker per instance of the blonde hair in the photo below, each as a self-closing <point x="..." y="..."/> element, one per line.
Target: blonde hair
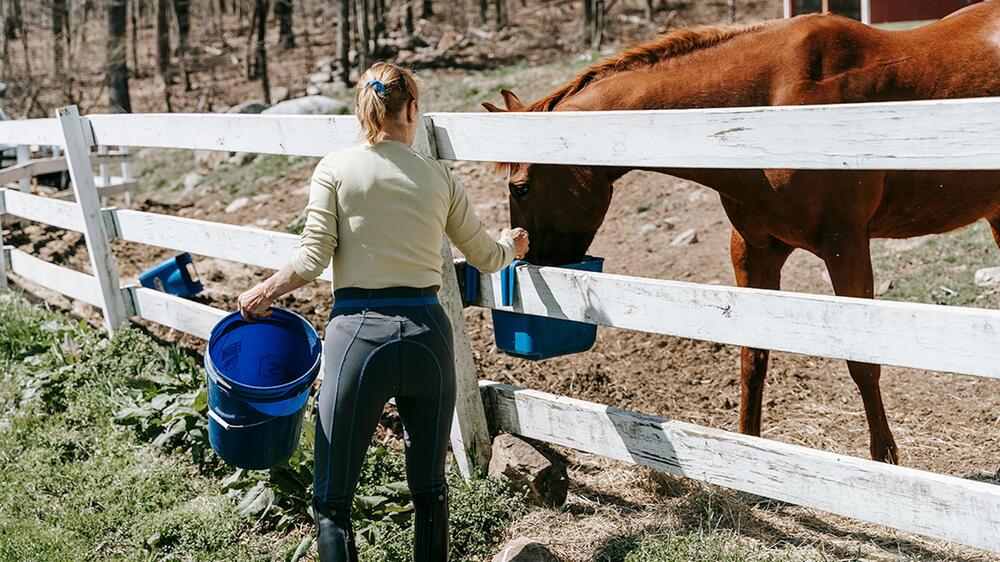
<point x="383" y="90"/>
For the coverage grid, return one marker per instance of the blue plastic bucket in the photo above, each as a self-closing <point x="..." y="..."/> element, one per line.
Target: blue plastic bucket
<point x="175" y="276"/>
<point x="538" y="337"/>
<point x="259" y="376"/>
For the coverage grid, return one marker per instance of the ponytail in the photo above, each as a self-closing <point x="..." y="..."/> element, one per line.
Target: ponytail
<point x="383" y="91"/>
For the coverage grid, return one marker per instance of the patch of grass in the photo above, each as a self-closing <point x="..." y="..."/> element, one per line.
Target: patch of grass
<point x="104" y="455"/>
<point x="941" y="270"/>
<point x="698" y="546"/>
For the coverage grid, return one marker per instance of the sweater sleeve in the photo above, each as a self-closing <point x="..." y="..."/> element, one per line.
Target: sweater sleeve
<point x="319" y="236"/>
<point x="467" y="232"/>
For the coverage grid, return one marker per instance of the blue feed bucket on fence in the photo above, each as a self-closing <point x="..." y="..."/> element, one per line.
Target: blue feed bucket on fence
<point x="175" y="276"/>
<point x="538" y="337"/>
<point x="259" y="376"/>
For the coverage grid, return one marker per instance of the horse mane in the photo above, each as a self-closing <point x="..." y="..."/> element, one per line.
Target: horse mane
<point x="669" y="45"/>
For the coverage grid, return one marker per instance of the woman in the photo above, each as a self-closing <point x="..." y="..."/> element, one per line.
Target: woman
<point x="379" y="211"/>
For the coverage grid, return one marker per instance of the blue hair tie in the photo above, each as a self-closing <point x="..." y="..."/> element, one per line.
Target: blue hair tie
<point x="376" y="85"/>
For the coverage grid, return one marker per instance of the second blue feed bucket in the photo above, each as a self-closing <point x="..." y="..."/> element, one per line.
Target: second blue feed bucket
<point x="538" y="337"/>
<point x="259" y="376"/>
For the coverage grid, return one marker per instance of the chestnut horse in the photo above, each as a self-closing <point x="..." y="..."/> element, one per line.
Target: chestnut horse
<point x="815" y="59"/>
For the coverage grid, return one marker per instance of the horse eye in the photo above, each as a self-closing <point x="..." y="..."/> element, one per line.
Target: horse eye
<point x="519" y="190"/>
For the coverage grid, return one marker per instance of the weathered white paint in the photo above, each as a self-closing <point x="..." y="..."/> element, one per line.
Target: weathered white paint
<point x="272" y="134"/>
<point x="41" y="166"/>
<point x="252" y="246"/>
<point x="174" y="312"/>
<point x="939" y="506"/>
<point x="470" y="438"/>
<point x="31" y="131"/>
<point x="43" y="209"/>
<point x="77" y="146"/>
<point x="941" y="338"/>
<point x="127" y="175"/>
<point x="919" y="135"/>
<point x="73" y="284"/>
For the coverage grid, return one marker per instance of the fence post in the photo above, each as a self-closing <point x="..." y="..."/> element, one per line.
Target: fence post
<point x="3" y="253"/>
<point x="470" y="437"/>
<point x="78" y="139"/>
<point x="24" y="155"/>
<point x="127" y="175"/>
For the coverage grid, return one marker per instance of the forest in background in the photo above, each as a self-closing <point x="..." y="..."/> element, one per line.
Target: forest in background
<point x="191" y="55"/>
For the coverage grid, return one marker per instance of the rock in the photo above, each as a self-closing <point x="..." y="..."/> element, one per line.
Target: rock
<point x="669" y="223"/>
<point x="248" y="107"/>
<point x="308" y="105"/>
<point x="279" y="94"/>
<point x="312" y="90"/>
<point x="988" y="277"/>
<point x="242" y="158"/>
<point x="883" y="287"/>
<point x="210" y="159"/>
<point x="236" y="205"/>
<point x="525" y="468"/>
<point x="685" y="238"/>
<point x="523" y="549"/>
<point x="192" y="180"/>
<point x="647" y="229"/>
<point x="324" y="64"/>
<point x="260" y="197"/>
<point x="320" y="78"/>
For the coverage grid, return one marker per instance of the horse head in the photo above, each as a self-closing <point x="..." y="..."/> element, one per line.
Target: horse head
<point x="560" y="206"/>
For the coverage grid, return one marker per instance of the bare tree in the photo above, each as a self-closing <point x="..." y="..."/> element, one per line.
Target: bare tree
<point x="163" y="40"/>
<point x="261" y="12"/>
<point x="363" y="46"/>
<point x="117" y="57"/>
<point x="182" y="11"/>
<point x="283" y="11"/>
<point x="344" y="40"/>
<point x="408" y="24"/>
<point x="731" y="4"/>
<point x="483" y="7"/>
<point x="500" y="13"/>
<point x="12" y="20"/>
<point x="427" y="9"/>
<point x="593" y="23"/>
<point x="58" y="28"/>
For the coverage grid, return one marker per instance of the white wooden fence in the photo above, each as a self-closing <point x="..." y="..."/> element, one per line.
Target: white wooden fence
<point x="956" y="134"/>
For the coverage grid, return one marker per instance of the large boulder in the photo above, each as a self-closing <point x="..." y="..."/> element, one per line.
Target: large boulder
<point x="524" y="550"/>
<point x="308" y="105"/>
<point x="526" y="469"/>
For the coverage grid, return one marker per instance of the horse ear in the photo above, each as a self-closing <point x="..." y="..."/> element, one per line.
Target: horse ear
<point x="492" y="108"/>
<point x="513" y="104"/>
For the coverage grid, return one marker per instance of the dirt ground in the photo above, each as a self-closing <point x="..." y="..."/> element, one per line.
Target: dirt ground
<point x="942" y="423"/>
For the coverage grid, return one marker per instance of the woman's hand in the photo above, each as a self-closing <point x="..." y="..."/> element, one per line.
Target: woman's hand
<point x="519" y="237"/>
<point x="255" y="303"/>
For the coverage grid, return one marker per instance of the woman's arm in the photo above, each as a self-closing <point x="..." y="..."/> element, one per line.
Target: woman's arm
<point x="253" y="304"/>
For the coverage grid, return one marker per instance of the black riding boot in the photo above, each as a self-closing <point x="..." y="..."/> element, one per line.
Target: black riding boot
<point x="430" y="542"/>
<point x="336" y="536"/>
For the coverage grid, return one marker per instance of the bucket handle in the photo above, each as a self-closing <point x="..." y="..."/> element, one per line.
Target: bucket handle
<point x="227" y="426"/>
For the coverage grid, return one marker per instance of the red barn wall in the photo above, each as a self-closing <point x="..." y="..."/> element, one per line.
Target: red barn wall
<point x="908" y="10"/>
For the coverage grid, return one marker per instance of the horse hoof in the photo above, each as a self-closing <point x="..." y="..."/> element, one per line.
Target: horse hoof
<point x="888" y="454"/>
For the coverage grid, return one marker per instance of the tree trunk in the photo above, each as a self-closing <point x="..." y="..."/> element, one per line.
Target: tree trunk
<point x="182" y="10"/>
<point x="650" y="9"/>
<point x="163" y="40"/>
<point x="408" y="25"/>
<point x="427" y="10"/>
<point x="283" y="11"/>
<point x="732" y="11"/>
<point x="117" y="57"/>
<point x="261" y="10"/>
<point x="483" y="7"/>
<point x="588" y="21"/>
<point x="597" y="36"/>
<point x="363" y="37"/>
<point x="344" y="40"/>
<point x="58" y="27"/>
<point x="378" y="23"/>
<point x="500" y="13"/>
<point x="13" y="22"/>
<point x="134" y="22"/>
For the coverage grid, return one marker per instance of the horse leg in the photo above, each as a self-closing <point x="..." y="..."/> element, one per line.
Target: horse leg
<point x="995" y="227"/>
<point x="848" y="259"/>
<point x="758" y="267"/>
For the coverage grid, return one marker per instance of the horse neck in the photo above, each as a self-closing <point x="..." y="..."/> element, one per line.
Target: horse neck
<point x="693" y="81"/>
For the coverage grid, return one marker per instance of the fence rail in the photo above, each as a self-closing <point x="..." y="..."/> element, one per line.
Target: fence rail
<point x="954" y="134"/>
